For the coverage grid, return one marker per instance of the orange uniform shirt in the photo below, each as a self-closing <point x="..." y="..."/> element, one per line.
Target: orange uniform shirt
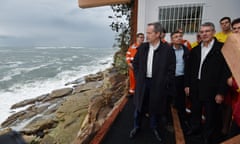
<point x="132" y="50"/>
<point x="187" y="44"/>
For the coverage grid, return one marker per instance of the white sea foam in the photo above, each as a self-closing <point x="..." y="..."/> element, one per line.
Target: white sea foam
<point x="19" y="71"/>
<point x="58" y="47"/>
<point x="6" y="78"/>
<point x="74" y="57"/>
<point x="76" y="47"/>
<point x="69" y="59"/>
<point x="10" y="75"/>
<point x="46" y="47"/>
<point x="20" y="91"/>
<point x="4" y="50"/>
<point x="13" y="64"/>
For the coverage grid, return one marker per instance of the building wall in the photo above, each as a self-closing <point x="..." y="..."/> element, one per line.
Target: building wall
<point x="213" y="11"/>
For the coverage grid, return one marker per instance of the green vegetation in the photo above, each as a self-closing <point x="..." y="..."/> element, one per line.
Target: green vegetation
<point x="121" y="25"/>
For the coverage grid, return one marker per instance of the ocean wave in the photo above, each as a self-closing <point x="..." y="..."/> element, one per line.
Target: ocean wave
<point x="10" y="75"/>
<point x="77" y="47"/>
<point x="5" y="50"/>
<point x="74" y="57"/>
<point x="69" y="59"/>
<point x="42" y="48"/>
<point x="12" y="64"/>
<point x="31" y="89"/>
<point x="106" y="61"/>
<point x="6" y="78"/>
<point x="58" y="47"/>
<point x="20" y="71"/>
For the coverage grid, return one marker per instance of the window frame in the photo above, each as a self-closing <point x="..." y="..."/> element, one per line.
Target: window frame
<point x="185" y="16"/>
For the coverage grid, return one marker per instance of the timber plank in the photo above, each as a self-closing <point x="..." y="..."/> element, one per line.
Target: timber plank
<point x="96" y="3"/>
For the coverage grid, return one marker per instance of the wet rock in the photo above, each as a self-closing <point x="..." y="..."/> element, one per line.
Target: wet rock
<point x="71" y="114"/>
<point x="60" y="92"/>
<point x="5" y="130"/>
<point x="13" y="118"/>
<point x="30" y="139"/>
<point x="48" y="140"/>
<point x="101" y="104"/>
<point x="29" y="101"/>
<point x="38" y="125"/>
<point x="94" y="77"/>
<point x="77" y="81"/>
<point x="87" y="86"/>
<point x="95" y="105"/>
<point x="86" y="134"/>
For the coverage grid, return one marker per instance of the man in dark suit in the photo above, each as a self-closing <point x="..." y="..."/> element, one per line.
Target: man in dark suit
<point x="154" y="69"/>
<point x="179" y="97"/>
<point x="207" y="75"/>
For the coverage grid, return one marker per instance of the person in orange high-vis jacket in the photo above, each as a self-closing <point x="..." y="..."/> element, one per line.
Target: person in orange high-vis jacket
<point x="132" y="50"/>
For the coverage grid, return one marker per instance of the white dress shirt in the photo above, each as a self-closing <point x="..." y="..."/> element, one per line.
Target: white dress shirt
<point x="150" y="59"/>
<point x="204" y="52"/>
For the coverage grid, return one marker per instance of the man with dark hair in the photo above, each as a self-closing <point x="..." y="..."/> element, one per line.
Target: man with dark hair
<point x="163" y="34"/>
<point x="182" y="55"/>
<point x="225" y="24"/>
<point x="154" y="69"/>
<point x="236" y="25"/>
<point x="207" y="74"/>
<point x="184" y="41"/>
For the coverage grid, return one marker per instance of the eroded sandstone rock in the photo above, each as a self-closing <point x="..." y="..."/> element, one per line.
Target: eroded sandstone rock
<point x="70" y="115"/>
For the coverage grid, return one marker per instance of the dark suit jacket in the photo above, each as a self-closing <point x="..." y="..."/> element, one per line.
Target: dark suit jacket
<point x="163" y="71"/>
<point x="214" y="73"/>
<point x="186" y="53"/>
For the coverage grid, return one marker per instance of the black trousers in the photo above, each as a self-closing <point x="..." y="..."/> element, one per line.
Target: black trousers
<point x="235" y="129"/>
<point x="211" y="128"/>
<point x="180" y="97"/>
<point x="145" y="108"/>
<point x="180" y="101"/>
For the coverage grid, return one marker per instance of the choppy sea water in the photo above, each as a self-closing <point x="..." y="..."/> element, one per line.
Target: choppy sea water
<point x="30" y="72"/>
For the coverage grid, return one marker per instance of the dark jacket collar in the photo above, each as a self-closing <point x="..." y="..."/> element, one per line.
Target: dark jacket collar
<point x="216" y="46"/>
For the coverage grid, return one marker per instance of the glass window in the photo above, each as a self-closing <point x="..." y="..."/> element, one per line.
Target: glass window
<point x="188" y="17"/>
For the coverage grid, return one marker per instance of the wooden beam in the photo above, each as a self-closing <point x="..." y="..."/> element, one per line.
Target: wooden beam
<point x="108" y="123"/>
<point x="234" y="140"/>
<point x="179" y="137"/>
<point x="96" y="3"/>
<point x="133" y="22"/>
<point x="231" y="53"/>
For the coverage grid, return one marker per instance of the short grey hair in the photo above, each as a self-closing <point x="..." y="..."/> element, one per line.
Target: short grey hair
<point x="157" y="26"/>
<point x="208" y="24"/>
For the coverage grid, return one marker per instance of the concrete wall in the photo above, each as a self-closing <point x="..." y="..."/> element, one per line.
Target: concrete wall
<point x="213" y="10"/>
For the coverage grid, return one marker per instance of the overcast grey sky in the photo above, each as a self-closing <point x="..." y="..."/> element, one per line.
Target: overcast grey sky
<point x="54" y="23"/>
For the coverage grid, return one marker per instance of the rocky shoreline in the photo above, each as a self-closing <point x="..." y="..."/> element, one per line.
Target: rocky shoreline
<point x="69" y="115"/>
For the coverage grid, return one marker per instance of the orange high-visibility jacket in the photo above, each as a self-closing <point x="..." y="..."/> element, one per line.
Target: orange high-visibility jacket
<point x="187" y="44"/>
<point x="132" y="50"/>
